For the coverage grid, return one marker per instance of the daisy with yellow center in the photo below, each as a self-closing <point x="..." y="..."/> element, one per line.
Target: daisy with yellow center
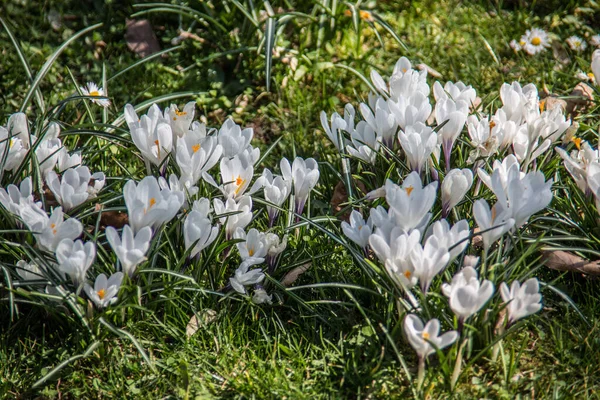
<point x="576" y="43"/>
<point x="534" y="41"/>
<point x="92" y="90"/>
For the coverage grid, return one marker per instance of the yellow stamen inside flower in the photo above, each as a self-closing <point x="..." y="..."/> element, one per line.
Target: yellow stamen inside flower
<point x="425" y="335"/>
<point x="152" y="202"/>
<point x="53" y="227"/>
<point x="404" y="70"/>
<point x="195" y="148"/>
<point x="95" y="93"/>
<point x="409" y="190"/>
<point x="590" y="75"/>
<point x="407" y="274"/>
<point x="174" y="118"/>
<point x="577" y="142"/>
<point x="366" y="15"/>
<point x="250" y="252"/>
<point x="542" y="105"/>
<point x="156" y="142"/>
<point x="12" y="142"/>
<point x="180" y="113"/>
<point x="536" y="41"/>
<point x="492" y="125"/>
<point x="101" y="294"/>
<point x="239" y="182"/>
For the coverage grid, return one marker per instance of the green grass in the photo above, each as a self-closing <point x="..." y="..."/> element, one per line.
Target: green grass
<point x="315" y="341"/>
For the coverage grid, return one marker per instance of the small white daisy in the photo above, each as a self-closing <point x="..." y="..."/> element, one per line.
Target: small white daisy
<point x="582" y="76"/>
<point x="576" y="43"/>
<point x="595" y="40"/>
<point x="516" y="46"/>
<point x="535" y="41"/>
<point x="92" y="90"/>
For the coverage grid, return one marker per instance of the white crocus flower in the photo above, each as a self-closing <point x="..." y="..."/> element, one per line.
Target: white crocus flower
<point x="503" y="130"/>
<point x="418" y="142"/>
<point x="198" y="230"/>
<point x="95" y="92"/>
<point x="454" y="239"/>
<point x="11" y="157"/>
<point x="522" y="301"/>
<point x="425" y="339"/>
<point x="358" y="230"/>
<point x="275" y="246"/>
<point x="15" y="199"/>
<point x="180" y="121"/>
<point x="456" y="91"/>
<point x="255" y="246"/>
<point x="484" y="142"/>
<point x="502" y="169"/>
<point x="520" y="195"/>
<point x="179" y="185"/>
<point x="151" y="133"/>
<point x="410" y="110"/>
<point x="49" y="231"/>
<point x="239" y="213"/>
<point x="382" y="121"/>
<point x="17" y="128"/>
<point x="196" y="155"/>
<point x="276" y="191"/>
<point x="455" y="186"/>
<point x="578" y="162"/>
<point x="130" y="250"/>
<point x="261" y="296"/>
<point x="453" y="114"/>
<point x="243" y="277"/>
<point x="466" y="293"/>
<point x="66" y="160"/>
<point x="497" y="218"/>
<point x="75" y="258"/>
<point x="148" y="205"/>
<point x="365" y="143"/>
<point x="519" y="101"/>
<point x="73" y="188"/>
<point x="233" y="138"/>
<point x="29" y="272"/>
<point x="104" y="292"/>
<point x="411" y="202"/>
<point x="429" y="260"/>
<point x="48" y="149"/>
<point x="337" y="124"/>
<point x="396" y="255"/>
<point x="236" y="177"/>
<point x="304" y="175"/>
<point x="596" y="66"/>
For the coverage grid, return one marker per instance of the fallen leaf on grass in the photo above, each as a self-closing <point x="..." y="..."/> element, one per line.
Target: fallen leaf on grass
<point x="566" y="261"/>
<point x="141" y="38"/>
<point x="294" y="274"/>
<point x="204" y="318"/>
<point x="580" y="99"/>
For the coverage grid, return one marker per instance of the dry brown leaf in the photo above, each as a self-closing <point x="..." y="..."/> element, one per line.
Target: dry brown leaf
<point x="560" y="54"/>
<point x="205" y="318"/>
<point x="581" y="98"/>
<point x="552" y="102"/>
<point x="340" y="196"/>
<point x="294" y="274"/>
<point x="141" y="38"/>
<point x="477" y="241"/>
<point x="115" y="219"/>
<point x="566" y="261"/>
<point x="430" y="71"/>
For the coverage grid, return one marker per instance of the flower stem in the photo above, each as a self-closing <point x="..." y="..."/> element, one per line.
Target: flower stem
<point x="458" y="364"/>
<point x="421" y="372"/>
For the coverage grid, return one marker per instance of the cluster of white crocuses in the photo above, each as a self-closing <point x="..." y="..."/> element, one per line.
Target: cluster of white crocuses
<point x="399" y="121"/>
<point x="152" y="202"/>
<point x="173" y="134"/>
